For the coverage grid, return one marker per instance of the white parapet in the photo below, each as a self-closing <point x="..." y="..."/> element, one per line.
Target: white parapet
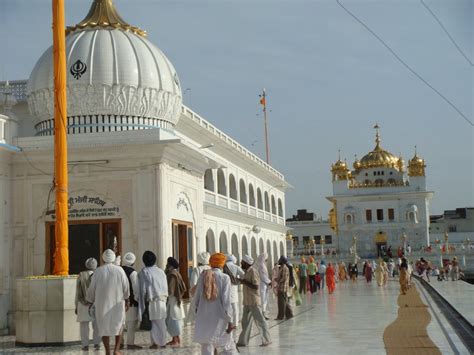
<point x="45" y="313"/>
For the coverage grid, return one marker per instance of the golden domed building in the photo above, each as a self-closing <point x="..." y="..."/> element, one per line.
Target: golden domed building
<point x="380" y="200"/>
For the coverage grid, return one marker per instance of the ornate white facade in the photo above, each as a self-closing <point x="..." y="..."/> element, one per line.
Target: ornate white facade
<point x="379" y="201"/>
<point x="145" y="172"/>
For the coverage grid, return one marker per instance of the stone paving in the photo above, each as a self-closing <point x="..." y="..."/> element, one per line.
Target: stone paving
<point x="350" y="321"/>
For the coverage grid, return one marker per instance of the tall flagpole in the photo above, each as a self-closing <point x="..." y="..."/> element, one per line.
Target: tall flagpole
<point x="61" y="253"/>
<point x="263" y="101"/>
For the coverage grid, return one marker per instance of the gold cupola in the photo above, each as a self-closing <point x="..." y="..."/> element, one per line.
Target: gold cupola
<point x="357" y="165"/>
<point x="103" y="14"/>
<point x="416" y="166"/>
<point x="400" y="164"/>
<point x="378" y="157"/>
<point x="339" y="170"/>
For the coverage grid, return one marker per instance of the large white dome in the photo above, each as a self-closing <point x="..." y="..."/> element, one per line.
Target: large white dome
<point x="116" y="79"/>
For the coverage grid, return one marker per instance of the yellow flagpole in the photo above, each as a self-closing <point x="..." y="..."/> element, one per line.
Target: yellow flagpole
<point x="61" y="253"/>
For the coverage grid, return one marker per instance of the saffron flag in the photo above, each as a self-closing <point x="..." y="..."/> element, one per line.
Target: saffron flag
<point x="262" y="100"/>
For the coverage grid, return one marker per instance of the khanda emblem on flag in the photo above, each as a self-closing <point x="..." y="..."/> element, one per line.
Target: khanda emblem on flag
<point x="78" y="69"/>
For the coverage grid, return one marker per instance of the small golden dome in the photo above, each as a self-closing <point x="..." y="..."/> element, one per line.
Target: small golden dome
<point x="416" y="166"/>
<point x="339" y="170"/>
<point x="357" y="165"/>
<point x="400" y="163"/>
<point x="378" y="158"/>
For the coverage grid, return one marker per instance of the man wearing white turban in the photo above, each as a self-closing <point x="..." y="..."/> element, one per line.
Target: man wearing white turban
<point x="252" y="305"/>
<point x="109" y="292"/>
<point x="82" y="305"/>
<point x="131" y="317"/>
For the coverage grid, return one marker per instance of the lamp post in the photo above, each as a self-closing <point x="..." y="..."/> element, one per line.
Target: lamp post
<point x="446" y="242"/>
<point x="323" y="241"/>
<point x="289" y="244"/>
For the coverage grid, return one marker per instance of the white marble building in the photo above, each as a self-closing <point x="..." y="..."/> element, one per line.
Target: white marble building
<point x="145" y="172"/>
<point x="379" y="201"/>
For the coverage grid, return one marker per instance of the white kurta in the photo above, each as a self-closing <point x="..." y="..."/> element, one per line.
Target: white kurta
<point x="108" y="291"/>
<point x="212" y="317"/>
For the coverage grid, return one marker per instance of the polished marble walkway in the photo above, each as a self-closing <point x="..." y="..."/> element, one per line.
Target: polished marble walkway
<point x="350" y="321"/>
<point x="459" y="294"/>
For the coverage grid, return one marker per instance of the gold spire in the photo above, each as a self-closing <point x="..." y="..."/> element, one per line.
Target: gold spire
<point x="377" y="136"/>
<point x="103" y="14"/>
<point x="416" y="165"/>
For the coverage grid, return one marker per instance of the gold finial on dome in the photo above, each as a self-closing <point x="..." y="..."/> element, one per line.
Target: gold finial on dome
<point x="416" y="165"/>
<point x="377" y="136"/>
<point x="103" y="14"/>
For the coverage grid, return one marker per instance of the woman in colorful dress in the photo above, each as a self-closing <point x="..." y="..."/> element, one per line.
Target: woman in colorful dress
<point x="330" y="280"/>
<point x="368" y="272"/>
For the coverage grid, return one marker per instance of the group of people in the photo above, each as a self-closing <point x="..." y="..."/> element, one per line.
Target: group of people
<point x="115" y="296"/>
<point x="314" y="276"/>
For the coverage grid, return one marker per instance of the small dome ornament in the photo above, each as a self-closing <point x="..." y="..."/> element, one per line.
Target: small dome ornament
<point x="416" y="166"/>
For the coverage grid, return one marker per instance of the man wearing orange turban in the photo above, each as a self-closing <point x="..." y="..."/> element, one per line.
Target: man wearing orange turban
<point x="217" y="260"/>
<point x="213" y="310"/>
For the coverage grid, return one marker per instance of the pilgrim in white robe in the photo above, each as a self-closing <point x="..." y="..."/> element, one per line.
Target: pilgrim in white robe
<point x="213" y="316"/>
<point x="234" y="289"/>
<point x="154" y="290"/>
<point x="108" y="291"/>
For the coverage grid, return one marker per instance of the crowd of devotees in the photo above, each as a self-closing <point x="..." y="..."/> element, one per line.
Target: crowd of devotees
<point x="115" y="297"/>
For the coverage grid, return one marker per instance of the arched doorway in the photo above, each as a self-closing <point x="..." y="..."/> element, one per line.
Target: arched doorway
<point x="210" y="242"/>
<point x="235" y="246"/>
<point x="223" y="243"/>
<point x="381" y="243"/>
<point x="245" y="246"/>
<point x="282" y="248"/>
<point x="260" y="246"/>
<point x="269" y="253"/>
<point x="275" y="251"/>
<point x="253" y="246"/>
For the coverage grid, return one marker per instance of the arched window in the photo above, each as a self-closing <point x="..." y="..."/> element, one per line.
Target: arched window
<point x="267" y="202"/>
<point x="391" y="181"/>
<point x="223" y="243"/>
<point x="280" y="208"/>
<point x="210" y="241"/>
<point x="269" y="254"/>
<point x="251" y="196"/>
<point x="282" y="249"/>
<point x="232" y="187"/>
<point x="221" y="186"/>
<point x="275" y="251"/>
<point x="274" y="208"/>
<point x="349" y="218"/>
<point x="261" y="245"/>
<point x="379" y="182"/>
<point x="243" y="193"/>
<point x="209" y="180"/>
<point x="259" y="199"/>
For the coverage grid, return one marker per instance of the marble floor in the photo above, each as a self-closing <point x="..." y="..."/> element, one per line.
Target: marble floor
<point x="350" y="321"/>
<point x="459" y="294"/>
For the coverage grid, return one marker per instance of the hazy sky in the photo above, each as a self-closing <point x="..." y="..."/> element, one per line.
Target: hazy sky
<point x="328" y="79"/>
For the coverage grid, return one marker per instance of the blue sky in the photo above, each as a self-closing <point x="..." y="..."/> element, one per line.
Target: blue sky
<point x="328" y="79"/>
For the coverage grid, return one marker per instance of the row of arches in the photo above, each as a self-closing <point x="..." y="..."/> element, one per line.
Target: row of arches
<point x="253" y="246"/>
<point x="244" y="194"/>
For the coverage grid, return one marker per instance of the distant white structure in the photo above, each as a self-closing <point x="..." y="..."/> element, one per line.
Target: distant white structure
<point x="311" y="235"/>
<point x="379" y="202"/>
<point x="458" y="223"/>
<point x="145" y="172"/>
